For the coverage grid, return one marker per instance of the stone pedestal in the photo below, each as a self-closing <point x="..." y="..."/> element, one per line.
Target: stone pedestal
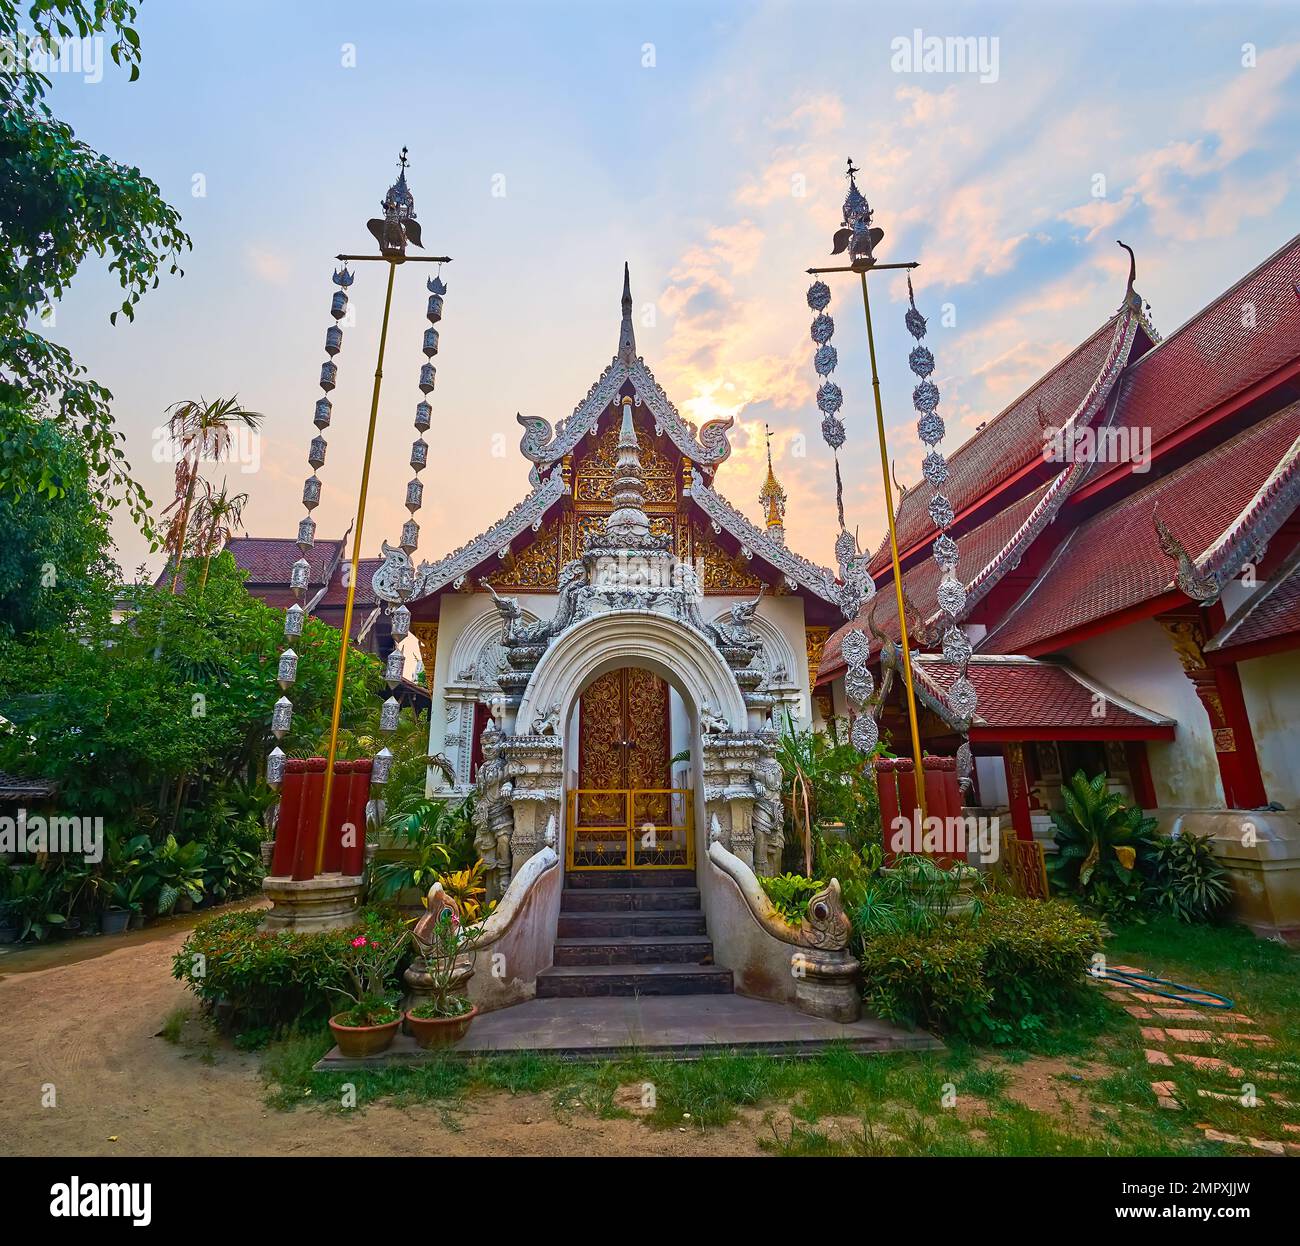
<point x="826" y="984"/>
<point x="327" y="902"/>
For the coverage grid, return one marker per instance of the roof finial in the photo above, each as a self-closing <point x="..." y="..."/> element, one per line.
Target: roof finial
<point x="771" y="496"/>
<point x="1132" y="272"/>
<point x="628" y="522"/>
<point x="626" y="334"/>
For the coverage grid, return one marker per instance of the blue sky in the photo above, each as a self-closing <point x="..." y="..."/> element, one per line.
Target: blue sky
<point x="703" y="142"/>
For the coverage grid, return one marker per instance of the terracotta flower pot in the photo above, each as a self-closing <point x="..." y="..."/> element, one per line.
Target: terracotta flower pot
<point x="439" y="1031"/>
<point x="356" y="1042"/>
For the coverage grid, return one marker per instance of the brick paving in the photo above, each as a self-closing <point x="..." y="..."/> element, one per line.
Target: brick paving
<point x="1161" y="1051"/>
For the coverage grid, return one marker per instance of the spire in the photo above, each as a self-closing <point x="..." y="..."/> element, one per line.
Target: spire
<point x="772" y="497"/>
<point x="627" y="523"/>
<point x="626" y="335"/>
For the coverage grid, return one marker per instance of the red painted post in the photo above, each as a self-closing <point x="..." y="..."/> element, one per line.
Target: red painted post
<point x="908" y="808"/>
<point x="304" y="866"/>
<point x="289" y="819"/>
<point x="332" y="861"/>
<point x="354" y="855"/>
<point x="887" y="793"/>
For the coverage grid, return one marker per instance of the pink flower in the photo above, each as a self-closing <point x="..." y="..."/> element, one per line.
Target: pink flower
<point x="359" y="941"/>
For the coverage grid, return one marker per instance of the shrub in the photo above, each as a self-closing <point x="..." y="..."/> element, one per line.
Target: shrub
<point x="1188" y="880"/>
<point x="248" y="979"/>
<point x="1013" y="967"/>
<point x="790" y="894"/>
<point x="1105" y="849"/>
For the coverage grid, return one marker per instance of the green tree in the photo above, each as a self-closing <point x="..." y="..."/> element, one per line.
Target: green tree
<point x="61" y="201"/>
<point x="56" y="569"/>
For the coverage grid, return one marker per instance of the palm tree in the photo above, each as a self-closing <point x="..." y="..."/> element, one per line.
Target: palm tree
<point x="198" y="430"/>
<point x="218" y="516"/>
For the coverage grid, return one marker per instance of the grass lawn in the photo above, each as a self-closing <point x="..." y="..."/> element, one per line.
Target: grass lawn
<point x="1082" y="1088"/>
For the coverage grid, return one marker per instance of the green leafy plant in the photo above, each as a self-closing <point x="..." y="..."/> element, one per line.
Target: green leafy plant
<point x="249" y="980"/>
<point x="366" y="964"/>
<point x="1105" y="848"/>
<point x="176" y="870"/>
<point x="431" y="837"/>
<point x="790" y="894"/>
<point x="1188" y="880"/>
<point x="445" y="946"/>
<point x="992" y="978"/>
<point x="34" y="901"/>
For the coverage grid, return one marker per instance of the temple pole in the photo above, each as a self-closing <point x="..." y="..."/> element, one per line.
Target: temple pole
<point x="345" y="638"/>
<point x="893" y="553"/>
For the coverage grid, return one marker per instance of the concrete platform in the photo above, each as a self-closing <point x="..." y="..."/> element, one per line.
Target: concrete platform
<point x="680" y="1027"/>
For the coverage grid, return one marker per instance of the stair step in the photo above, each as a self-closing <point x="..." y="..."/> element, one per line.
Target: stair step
<point x="588" y="880"/>
<point x="574" y="981"/>
<point x="649" y="950"/>
<point x="630" y="925"/>
<point x="630" y="899"/>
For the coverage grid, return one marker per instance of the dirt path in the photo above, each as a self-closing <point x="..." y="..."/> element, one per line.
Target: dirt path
<point x="82" y="1018"/>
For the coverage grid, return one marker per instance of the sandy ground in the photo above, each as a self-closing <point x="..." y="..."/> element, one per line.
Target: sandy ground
<point x="83" y="1018"/>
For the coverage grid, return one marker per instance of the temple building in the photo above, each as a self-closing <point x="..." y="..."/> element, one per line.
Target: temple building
<point x="1128" y="539"/>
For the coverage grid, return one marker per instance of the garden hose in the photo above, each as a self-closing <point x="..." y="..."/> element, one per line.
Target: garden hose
<point x="1193" y="996"/>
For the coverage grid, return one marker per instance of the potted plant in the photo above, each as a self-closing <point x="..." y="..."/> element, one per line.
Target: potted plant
<point x="33" y="902"/>
<point x="176" y="872"/>
<point x="447" y="963"/>
<point x="371" y="1023"/>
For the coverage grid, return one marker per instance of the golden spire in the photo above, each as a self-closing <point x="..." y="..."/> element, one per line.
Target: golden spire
<point x="771" y="496"/>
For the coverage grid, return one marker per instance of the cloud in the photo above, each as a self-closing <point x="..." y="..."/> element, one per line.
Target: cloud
<point x="268" y="265"/>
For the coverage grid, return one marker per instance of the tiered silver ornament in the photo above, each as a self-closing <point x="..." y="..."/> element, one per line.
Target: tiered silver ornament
<point x="951" y="593"/>
<point x="300" y="572"/>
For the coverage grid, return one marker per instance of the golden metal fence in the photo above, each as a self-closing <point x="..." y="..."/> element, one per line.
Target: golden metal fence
<point x="656" y="829"/>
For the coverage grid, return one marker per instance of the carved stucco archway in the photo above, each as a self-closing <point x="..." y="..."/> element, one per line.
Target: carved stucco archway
<point x="680" y="655"/>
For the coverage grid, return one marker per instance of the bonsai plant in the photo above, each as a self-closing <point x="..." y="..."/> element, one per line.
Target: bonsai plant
<point x="370" y="1024"/>
<point x="447" y="958"/>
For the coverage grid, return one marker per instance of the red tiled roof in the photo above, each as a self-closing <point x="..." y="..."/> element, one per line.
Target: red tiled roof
<point x="1269" y="613"/>
<point x="1024" y="693"/>
<point x="268" y="559"/>
<point x="365" y="594"/>
<point x="976" y="549"/>
<point x="1011" y="440"/>
<point x="1113" y="561"/>
<point x="1246" y="334"/>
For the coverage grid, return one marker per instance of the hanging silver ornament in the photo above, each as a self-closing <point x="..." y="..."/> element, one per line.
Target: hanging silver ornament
<point x="436" y="285"/>
<point x="298" y="576"/>
<point x="921" y="361"/>
<point x="829" y="398"/>
<point x="401" y="622"/>
<point x="833" y="432"/>
<point x="925" y="397"/>
<point x="419" y="455"/>
<point x="311" y="492"/>
<point x="423" y="416"/>
<point x="428" y="376"/>
<point x="855" y="648"/>
<point x="825" y="359"/>
<point x="322" y="416"/>
<point x="281" y="718"/>
<point x="306" y="534"/>
<point x="316" y="451"/>
<point x="430" y="342"/>
<point x="962" y="697"/>
<point x="394" y="667"/>
<point x="293" y="620"/>
<point x="275" y="760"/>
<point x="388" y="714"/>
<point x="287" y="672"/>
<point x="819" y="296"/>
<point x="940" y="511"/>
<point x="434" y="311"/>
<point x="956" y="646"/>
<point x="951" y="595"/>
<point x="333" y="340"/>
<point x="945" y="552"/>
<point x="915" y="323"/>
<point x="934" y="467"/>
<point x="328" y="373"/>
<point x="382" y="768"/>
<point x="414" y="496"/>
<point x="965" y="760"/>
<point x="930" y="428"/>
<point x="858" y="685"/>
<point x="823" y="329"/>
<point x="410" y="538"/>
<point x="864" y="734"/>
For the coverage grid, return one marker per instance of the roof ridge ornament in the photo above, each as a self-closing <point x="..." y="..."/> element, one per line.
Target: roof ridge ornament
<point x="626" y="333"/>
<point x="398" y="225"/>
<point x="772" y="497"/>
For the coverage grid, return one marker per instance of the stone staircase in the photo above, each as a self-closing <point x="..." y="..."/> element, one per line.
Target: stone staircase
<point x="632" y="932"/>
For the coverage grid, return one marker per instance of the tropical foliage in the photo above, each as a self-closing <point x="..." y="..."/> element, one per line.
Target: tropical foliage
<point x="1188" y="881"/>
<point x="1105" y="848"/>
<point x="61" y="202"/>
<point x="790" y="894"/>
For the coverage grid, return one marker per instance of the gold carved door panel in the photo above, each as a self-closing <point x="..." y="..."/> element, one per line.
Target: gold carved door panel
<point x="623" y="743"/>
